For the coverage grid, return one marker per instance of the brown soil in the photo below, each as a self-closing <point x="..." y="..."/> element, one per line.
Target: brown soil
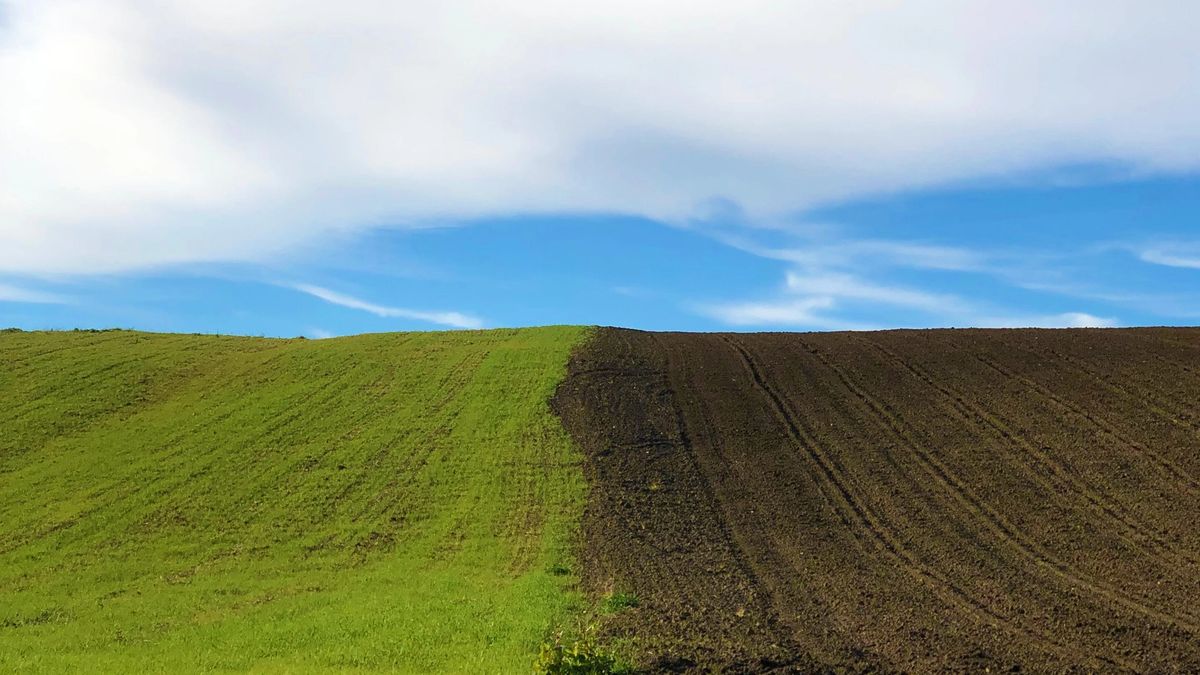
<point x="923" y="501"/>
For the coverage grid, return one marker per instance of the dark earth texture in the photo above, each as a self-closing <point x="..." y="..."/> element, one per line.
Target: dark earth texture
<point x="913" y="501"/>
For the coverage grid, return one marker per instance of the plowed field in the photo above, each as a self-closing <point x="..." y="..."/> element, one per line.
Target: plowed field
<point x="929" y="501"/>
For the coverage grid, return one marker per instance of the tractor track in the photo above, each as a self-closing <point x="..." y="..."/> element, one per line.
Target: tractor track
<point x="821" y="502"/>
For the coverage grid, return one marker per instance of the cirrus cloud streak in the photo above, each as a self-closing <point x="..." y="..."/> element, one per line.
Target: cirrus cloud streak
<point x="451" y="319"/>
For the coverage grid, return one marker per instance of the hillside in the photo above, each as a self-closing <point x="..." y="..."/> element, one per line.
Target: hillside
<point x="914" y="501"/>
<point x="178" y="503"/>
<point x="918" y="501"/>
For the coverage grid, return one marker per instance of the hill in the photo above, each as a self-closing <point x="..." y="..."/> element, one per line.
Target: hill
<point x="178" y="503"/>
<point x="912" y="501"/>
<point x="916" y="501"/>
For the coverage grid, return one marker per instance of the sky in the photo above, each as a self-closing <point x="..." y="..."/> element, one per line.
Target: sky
<point x="307" y="168"/>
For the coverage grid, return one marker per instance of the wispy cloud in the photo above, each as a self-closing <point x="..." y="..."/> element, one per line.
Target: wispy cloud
<point x="1064" y="320"/>
<point x="452" y="319"/>
<point x="901" y="254"/>
<point x="787" y="312"/>
<point x="1185" y="256"/>
<point x="827" y="288"/>
<point x="859" y="275"/>
<point x="10" y="293"/>
<point x="833" y="301"/>
<point x="818" y="300"/>
<point x="849" y="287"/>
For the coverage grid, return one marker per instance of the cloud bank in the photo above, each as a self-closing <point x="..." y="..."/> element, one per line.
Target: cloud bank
<point x="135" y="135"/>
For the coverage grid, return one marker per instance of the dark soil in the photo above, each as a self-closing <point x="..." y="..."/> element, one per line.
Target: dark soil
<point x="922" y="501"/>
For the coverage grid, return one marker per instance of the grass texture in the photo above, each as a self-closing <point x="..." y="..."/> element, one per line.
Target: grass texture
<point x="194" y="503"/>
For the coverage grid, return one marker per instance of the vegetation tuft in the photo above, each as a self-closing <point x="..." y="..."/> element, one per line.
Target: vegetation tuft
<point x="616" y="602"/>
<point x="582" y="655"/>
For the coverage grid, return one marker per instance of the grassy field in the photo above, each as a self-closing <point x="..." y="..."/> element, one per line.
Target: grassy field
<point x="179" y="502"/>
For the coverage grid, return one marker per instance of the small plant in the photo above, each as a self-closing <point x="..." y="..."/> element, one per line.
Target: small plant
<point x="619" y="601"/>
<point x="559" y="570"/>
<point x="582" y="656"/>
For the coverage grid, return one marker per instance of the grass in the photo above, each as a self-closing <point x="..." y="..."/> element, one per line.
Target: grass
<point x="581" y="654"/>
<point x="616" y="602"/>
<point x="182" y="503"/>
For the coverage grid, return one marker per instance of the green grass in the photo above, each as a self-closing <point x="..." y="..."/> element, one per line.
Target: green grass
<point x="183" y="503"/>
<point x="616" y="602"/>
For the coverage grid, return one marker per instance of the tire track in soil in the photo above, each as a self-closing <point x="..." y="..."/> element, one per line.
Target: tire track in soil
<point x="857" y="521"/>
<point x="926" y="491"/>
<point x="878" y="530"/>
<point x="1163" y="398"/>
<point x="996" y="523"/>
<point x="773" y="491"/>
<point x="1144" y="399"/>
<point x="1113" y="432"/>
<point x="672" y="546"/>
<point x="771" y="598"/>
<point x="1149" y="400"/>
<point x="1172" y="363"/>
<point x="978" y="417"/>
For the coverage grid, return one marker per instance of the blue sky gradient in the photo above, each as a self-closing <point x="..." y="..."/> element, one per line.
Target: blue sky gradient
<point x="1015" y="254"/>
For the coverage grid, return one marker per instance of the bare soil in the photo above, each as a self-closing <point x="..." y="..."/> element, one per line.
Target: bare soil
<point x="918" y="501"/>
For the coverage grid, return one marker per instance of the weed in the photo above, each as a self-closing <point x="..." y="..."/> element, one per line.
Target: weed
<point x="580" y="656"/>
<point x="616" y="602"/>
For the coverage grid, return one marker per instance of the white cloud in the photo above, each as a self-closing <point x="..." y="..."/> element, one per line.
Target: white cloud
<point x="9" y="293"/>
<point x="846" y="286"/>
<point x="1188" y="257"/>
<point x="452" y="319"/>
<point x="790" y="312"/>
<point x="1064" y="320"/>
<point x="140" y="134"/>
<point x="821" y="252"/>
<point x="820" y="299"/>
<point x="832" y="300"/>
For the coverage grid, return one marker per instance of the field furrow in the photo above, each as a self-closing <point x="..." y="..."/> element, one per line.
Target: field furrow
<point x="906" y="501"/>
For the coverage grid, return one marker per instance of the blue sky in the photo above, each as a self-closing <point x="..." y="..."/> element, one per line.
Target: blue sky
<point x="301" y="168"/>
<point x="1110" y="253"/>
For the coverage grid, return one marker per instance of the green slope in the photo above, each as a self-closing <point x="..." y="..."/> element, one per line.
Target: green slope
<point x="179" y="502"/>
